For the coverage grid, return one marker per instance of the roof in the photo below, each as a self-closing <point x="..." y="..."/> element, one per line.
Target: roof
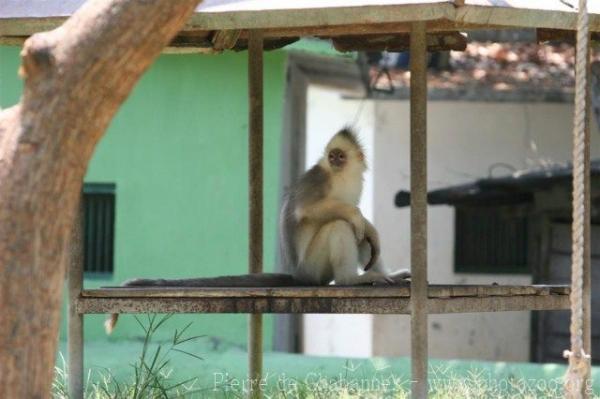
<point x="516" y="188"/>
<point x="516" y="72"/>
<point x="327" y="17"/>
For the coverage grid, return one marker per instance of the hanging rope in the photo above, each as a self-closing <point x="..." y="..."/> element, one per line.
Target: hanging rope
<point x="579" y="362"/>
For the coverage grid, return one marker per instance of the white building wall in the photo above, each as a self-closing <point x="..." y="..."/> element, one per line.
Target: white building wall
<point x="328" y="112"/>
<point x="465" y="139"/>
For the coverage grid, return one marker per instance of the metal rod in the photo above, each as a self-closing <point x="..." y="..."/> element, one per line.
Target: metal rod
<point x="75" y="319"/>
<point x="418" y="210"/>
<point x="255" y="174"/>
<point x="587" y="251"/>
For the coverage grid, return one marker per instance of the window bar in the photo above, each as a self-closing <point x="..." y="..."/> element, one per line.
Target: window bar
<point x="111" y="239"/>
<point x="99" y="205"/>
<point x="75" y="320"/>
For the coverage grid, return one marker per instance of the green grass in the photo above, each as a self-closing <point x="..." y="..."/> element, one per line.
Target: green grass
<point x="348" y="384"/>
<point x="204" y="367"/>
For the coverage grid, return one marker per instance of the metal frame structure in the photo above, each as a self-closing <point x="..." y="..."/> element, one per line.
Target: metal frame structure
<point x="220" y="24"/>
<point x="418" y="209"/>
<point x="420" y="299"/>
<point x="255" y="194"/>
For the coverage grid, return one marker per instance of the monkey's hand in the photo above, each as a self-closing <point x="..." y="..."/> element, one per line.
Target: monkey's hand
<point x="372" y="237"/>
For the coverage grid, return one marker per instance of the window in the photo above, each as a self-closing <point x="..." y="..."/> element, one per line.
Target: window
<point x="488" y="240"/>
<point x="98" y="227"/>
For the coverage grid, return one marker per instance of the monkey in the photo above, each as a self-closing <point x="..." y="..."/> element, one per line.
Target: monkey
<point x="323" y="236"/>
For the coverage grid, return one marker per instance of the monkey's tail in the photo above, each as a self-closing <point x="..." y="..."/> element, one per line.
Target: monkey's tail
<point x="110" y="323"/>
<point x="245" y="280"/>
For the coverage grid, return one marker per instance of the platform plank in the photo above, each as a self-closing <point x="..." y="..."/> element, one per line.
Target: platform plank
<point x="331" y="299"/>
<point x="399" y="291"/>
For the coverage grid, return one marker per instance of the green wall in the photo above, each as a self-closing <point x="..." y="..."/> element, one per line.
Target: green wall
<point x="177" y="152"/>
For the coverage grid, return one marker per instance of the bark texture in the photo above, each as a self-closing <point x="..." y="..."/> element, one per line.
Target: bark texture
<point x="76" y="77"/>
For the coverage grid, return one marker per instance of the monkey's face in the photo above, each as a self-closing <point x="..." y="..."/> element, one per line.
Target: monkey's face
<point x="337" y="158"/>
<point x="346" y="158"/>
<point x="344" y="153"/>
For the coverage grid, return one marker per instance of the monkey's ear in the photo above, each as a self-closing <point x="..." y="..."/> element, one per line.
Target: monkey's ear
<point x="361" y="156"/>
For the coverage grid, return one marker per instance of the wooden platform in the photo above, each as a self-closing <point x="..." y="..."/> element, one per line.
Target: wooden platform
<point x="368" y="300"/>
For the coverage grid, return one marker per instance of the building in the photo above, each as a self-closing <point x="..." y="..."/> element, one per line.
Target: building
<point x="506" y="121"/>
<point x="154" y="163"/>
<point x="521" y="224"/>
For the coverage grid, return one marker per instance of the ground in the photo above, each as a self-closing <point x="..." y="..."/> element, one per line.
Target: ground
<point x="220" y="372"/>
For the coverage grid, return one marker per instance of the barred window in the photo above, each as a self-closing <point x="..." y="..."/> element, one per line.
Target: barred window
<point x="99" y="227"/>
<point x="490" y="241"/>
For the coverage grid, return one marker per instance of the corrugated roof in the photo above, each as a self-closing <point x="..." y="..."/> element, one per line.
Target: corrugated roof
<point x="518" y="187"/>
<point x="25" y="17"/>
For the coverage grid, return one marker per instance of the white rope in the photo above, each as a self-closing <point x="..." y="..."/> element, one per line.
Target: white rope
<point x="579" y="361"/>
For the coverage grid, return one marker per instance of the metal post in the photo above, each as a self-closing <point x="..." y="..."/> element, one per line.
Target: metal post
<point x="587" y="251"/>
<point x="418" y="210"/>
<point x="75" y="320"/>
<point x="255" y="140"/>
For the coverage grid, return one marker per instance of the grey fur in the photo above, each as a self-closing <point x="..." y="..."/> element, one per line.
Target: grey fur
<point x="248" y="280"/>
<point x="310" y="188"/>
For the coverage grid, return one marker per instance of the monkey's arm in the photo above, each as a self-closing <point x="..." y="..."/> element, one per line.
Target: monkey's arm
<point x="328" y="210"/>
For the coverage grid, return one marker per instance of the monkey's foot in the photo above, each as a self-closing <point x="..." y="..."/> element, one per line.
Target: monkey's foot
<point x="401" y="274"/>
<point x="400" y="277"/>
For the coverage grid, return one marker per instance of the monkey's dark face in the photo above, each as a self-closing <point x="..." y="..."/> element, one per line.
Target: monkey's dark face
<point x="337" y="158"/>
<point x="343" y="155"/>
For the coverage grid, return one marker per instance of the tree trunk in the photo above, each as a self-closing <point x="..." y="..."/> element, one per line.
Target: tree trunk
<point x="76" y="77"/>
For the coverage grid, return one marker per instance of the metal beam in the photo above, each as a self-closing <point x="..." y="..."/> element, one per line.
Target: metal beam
<point x="255" y="187"/>
<point x="418" y="210"/>
<point x="315" y="292"/>
<point x="75" y="318"/>
<point x="20" y="20"/>
<point x="551" y="299"/>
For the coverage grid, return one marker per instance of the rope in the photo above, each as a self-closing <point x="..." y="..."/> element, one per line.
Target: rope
<point x="579" y="361"/>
